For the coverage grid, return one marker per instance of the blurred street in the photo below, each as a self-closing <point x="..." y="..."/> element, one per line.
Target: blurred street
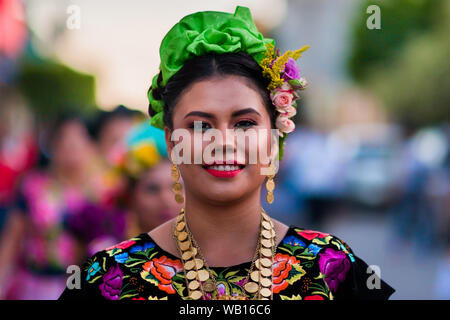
<point x="413" y="273"/>
<point x="369" y="160"/>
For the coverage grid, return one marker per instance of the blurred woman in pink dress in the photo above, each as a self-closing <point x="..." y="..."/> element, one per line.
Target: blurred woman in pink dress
<point x="38" y="243"/>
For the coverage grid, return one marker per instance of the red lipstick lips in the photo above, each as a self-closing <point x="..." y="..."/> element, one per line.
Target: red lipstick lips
<point x="233" y="169"/>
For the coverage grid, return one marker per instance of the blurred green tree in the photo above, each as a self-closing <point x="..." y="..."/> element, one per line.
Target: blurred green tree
<point x="405" y="63"/>
<point x="52" y="88"/>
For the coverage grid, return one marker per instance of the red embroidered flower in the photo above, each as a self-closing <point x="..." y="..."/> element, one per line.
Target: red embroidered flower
<point x="282" y="265"/>
<point x="140" y="298"/>
<point x="314" y="297"/>
<point x="123" y="245"/>
<point x="310" y="234"/>
<point x="163" y="269"/>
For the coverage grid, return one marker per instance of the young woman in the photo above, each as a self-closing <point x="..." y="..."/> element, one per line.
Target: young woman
<point x="218" y="72"/>
<point x="38" y="242"/>
<point x="149" y="200"/>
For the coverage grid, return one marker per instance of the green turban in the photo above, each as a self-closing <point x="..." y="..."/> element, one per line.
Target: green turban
<point x="201" y="33"/>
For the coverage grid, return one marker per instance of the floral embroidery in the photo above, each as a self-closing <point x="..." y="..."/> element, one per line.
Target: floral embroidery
<point x="282" y="276"/>
<point x="162" y="269"/>
<point x="121" y="258"/>
<point x="95" y="267"/>
<point x="294" y="241"/>
<point x="310" y="234"/>
<point x="112" y="283"/>
<point x="122" y="245"/>
<point x="334" y="265"/>
<point x="314" y="297"/>
<point x="308" y="265"/>
<point x="144" y="247"/>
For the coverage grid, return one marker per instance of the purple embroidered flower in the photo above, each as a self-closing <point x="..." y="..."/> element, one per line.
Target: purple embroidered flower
<point x="291" y="70"/>
<point x="221" y="289"/>
<point x="112" y="283"/>
<point x="334" y="265"/>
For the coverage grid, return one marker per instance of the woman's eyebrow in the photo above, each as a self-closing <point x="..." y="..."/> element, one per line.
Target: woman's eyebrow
<point x="244" y="111"/>
<point x="200" y="114"/>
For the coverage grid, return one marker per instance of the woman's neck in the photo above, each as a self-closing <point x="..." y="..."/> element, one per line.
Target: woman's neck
<point x="227" y="234"/>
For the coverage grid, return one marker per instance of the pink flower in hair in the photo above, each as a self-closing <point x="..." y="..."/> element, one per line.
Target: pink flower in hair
<point x="284" y="124"/>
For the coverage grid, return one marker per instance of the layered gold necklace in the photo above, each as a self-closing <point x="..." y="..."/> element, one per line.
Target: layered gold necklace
<point x="199" y="278"/>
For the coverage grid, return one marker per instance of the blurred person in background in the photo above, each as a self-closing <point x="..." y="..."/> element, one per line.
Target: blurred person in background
<point x="149" y="197"/>
<point x="18" y="150"/>
<point x="37" y="243"/>
<point x="110" y="128"/>
<point x="421" y="217"/>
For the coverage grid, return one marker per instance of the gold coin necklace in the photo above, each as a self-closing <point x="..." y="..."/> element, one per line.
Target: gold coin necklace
<point x="199" y="278"/>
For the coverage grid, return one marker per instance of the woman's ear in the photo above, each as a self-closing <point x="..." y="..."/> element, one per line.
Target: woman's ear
<point x="169" y="142"/>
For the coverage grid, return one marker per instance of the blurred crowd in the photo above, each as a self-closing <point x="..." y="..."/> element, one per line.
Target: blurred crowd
<point x="76" y="185"/>
<point x="73" y="186"/>
<point x="379" y="169"/>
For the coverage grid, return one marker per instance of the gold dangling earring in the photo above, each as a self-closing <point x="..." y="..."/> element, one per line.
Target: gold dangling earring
<point x="177" y="188"/>
<point x="270" y="184"/>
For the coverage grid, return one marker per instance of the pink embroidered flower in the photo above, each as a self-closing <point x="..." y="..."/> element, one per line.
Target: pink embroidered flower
<point x="123" y="245"/>
<point x="284" y="124"/>
<point x="311" y="234"/>
<point x="281" y="98"/>
<point x="314" y="297"/>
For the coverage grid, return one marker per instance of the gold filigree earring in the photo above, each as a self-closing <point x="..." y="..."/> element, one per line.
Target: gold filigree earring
<point x="177" y="188"/>
<point x="270" y="184"/>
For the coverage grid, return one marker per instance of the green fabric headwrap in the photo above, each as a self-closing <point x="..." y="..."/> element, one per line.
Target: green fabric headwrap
<point x="201" y="33"/>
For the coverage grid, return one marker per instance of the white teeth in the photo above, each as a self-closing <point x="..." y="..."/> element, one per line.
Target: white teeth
<point x="224" y="167"/>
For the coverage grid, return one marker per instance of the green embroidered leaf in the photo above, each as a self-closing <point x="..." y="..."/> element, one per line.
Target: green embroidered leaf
<point x="325" y="240"/>
<point x="135" y="270"/>
<point x="214" y="273"/>
<point x="134" y="262"/>
<point x="286" y="249"/>
<point x="153" y="254"/>
<point x="95" y="279"/>
<point x="178" y="286"/>
<point x="306" y="255"/>
<point x="292" y="247"/>
<point x="236" y="279"/>
<point x="319" y="287"/>
<point x="114" y="251"/>
<point x="320" y="293"/>
<point x="178" y="276"/>
<point x="307" y="263"/>
<point x="294" y="297"/>
<point x="230" y="274"/>
<point x="104" y="264"/>
<point x="156" y="298"/>
<point x="295" y="274"/>
<point x="129" y="295"/>
<point x="320" y="276"/>
<point x="149" y="277"/>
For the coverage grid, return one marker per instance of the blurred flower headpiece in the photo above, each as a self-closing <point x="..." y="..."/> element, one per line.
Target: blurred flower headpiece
<point x="143" y="148"/>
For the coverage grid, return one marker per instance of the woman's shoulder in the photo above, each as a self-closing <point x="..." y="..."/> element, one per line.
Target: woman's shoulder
<point x="316" y="240"/>
<point x="347" y="275"/>
<point x="120" y="271"/>
<point x="121" y="252"/>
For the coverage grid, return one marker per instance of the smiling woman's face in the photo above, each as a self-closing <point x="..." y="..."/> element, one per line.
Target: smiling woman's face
<point x="222" y="103"/>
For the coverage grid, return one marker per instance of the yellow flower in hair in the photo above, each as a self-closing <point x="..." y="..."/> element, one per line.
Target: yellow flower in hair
<point x="273" y="66"/>
<point x="146" y="154"/>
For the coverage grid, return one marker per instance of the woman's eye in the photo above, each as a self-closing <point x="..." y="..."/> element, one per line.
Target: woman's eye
<point x="244" y="124"/>
<point x="204" y="125"/>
